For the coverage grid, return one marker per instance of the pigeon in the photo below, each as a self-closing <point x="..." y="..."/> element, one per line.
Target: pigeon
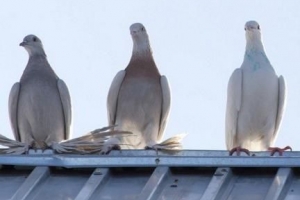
<point x="139" y="98"/>
<point x="40" y="104"/>
<point x="256" y="99"/>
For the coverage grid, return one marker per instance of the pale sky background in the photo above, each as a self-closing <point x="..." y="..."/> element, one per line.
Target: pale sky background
<point x="196" y="44"/>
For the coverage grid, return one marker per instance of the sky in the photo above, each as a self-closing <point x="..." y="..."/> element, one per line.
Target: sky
<point x="196" y="44"/>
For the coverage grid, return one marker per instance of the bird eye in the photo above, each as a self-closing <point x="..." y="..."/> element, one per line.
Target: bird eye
<point x="244" y="28"/>
<point x="143" y="28"/>
<point x="258" y="27"/>
<point x="34" y="39"/>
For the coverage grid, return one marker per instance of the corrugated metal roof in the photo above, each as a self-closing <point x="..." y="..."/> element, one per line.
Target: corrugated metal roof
<point x="150" y="175"/>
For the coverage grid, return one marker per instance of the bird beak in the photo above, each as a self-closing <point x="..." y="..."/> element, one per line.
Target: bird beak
<point x="133" y="32"/>
<point x="23" y="43"/>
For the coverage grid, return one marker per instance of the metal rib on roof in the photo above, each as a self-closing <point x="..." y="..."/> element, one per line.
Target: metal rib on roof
<point x="150" y="175"/>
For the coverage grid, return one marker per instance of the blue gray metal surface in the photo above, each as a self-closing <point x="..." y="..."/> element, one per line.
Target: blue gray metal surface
<point x="150" y="175"/>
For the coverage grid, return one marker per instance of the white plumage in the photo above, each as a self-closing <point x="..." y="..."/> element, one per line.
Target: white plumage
<point x="256" y="98"/>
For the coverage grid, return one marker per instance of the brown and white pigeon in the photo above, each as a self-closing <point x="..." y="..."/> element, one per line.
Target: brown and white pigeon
<point x="139" y="98"/>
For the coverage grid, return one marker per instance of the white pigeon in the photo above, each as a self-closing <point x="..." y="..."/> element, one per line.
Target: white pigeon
<point x="139" y="98"/>
<point x="256" y="99"/>
<point x="40" y="104"/>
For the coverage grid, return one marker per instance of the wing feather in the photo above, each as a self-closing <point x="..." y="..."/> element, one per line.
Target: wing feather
<point x="112" y="97"/>
<point x="13" y="109"/>
<point x="67" y="107"/>
<point x="166" y="105"/>
<point x="282" y="93"/>
<point x="234" y="100"/>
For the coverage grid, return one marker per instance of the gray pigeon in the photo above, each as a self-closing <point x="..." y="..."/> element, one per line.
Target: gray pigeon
<point x="256" y="99"/>
<point x="40" y="104"/>
<point x="139" y="98"/>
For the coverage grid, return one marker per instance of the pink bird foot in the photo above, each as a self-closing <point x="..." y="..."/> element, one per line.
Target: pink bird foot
<point x="279" y="150"/>
<point x="238" y="151"/>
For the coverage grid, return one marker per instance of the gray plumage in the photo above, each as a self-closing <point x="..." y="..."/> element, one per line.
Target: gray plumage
<point x="139" y="98"/>
<point x="40" y="104"/>
<point x="255" y="98"/>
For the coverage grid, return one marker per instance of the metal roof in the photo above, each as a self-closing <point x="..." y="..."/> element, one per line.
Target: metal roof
<point x="150" y="175"/>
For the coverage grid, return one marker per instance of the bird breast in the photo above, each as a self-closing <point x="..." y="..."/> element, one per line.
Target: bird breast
<point x="259" y="102"/>
<point x="139" y="103"/>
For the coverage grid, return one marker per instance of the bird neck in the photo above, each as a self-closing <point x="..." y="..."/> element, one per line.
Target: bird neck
<point x="141" y="48"/>
<point x="37" y="58"/>
<point x="142" y="63"/>
<point x="38" y="62"/>
<point x="36" y="51"/>
<point x="254" y="45"/>
<point x="255" y="54"/>
<point x="141" y="51"/>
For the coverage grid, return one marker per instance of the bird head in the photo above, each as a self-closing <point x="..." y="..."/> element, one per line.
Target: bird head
<point x="33" y="45"/>
<point x="139" y="34"/>
<point x="252" y="29"/>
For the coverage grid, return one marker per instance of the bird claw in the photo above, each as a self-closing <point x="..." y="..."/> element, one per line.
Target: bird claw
<point x="238" y="151"/>
<point x="26" y="149"/>
<point x="36" y="145"/>
<point x="111" y="144"/>
<point x="116" y="147"/>
<point x="279" y="150"/>
<point x="106" y="149"/>
<point x="152" y="147"/>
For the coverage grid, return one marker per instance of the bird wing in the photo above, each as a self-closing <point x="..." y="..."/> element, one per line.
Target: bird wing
<point x="281" y="103"/>
<point x="166" y="105"/>
<point x="112" y="96"/>
<point x="13" y="109"/>
<point x="66" y="104"/>
<point x="234" y="100"/>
